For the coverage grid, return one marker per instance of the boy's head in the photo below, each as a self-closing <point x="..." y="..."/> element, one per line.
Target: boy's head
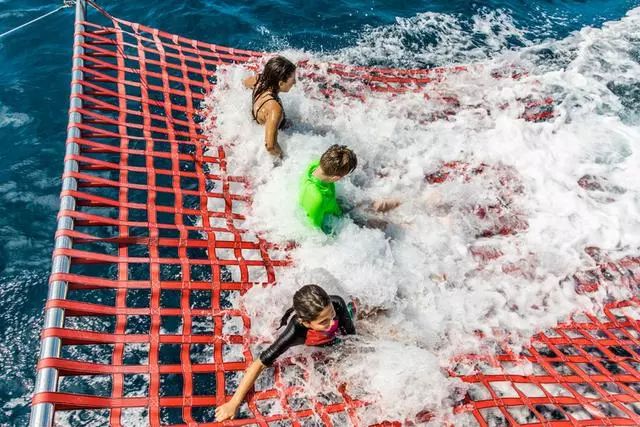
<point x="338" y="161"/>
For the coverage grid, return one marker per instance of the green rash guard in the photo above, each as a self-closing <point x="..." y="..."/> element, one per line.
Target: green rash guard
<point x="318" y="198"/>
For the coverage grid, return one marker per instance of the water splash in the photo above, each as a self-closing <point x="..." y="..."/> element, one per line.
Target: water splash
<point x="441" y="268"/>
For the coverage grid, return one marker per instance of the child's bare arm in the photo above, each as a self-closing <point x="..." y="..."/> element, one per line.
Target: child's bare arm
<point x="250" y="82"/>
<point x="274" y="115"/>
<point x="385" y="205"/>
<point x="229" y="409"/>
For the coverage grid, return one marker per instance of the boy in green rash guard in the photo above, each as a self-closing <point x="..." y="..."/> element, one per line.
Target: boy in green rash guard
<point x="318" y="189"/>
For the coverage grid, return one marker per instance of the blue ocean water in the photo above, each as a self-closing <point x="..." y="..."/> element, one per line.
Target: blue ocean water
<point x="35" y="74"/>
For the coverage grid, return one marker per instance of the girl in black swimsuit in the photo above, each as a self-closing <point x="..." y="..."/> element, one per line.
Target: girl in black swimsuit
<point x="269" y="97"/>
<point x="266" y="108"/>
<point x="318" y="318"/>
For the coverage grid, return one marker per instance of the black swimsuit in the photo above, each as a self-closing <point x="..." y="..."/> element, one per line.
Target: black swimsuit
<point x="296" y="334"/>
<point x="282" y="124"/>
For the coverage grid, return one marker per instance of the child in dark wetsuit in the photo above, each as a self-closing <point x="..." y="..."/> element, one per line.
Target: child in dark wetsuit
<point x="317" y="320"/>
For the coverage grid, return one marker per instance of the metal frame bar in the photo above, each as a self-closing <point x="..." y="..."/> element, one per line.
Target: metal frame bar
<point x="47" y="378"/>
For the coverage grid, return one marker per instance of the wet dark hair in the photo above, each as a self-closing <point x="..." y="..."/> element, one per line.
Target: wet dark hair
<point x="308" y="303"/>
<point x="277" y="69"/>
<point x="338" y="160"/>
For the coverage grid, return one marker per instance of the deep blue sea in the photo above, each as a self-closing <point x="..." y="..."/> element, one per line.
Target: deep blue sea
<point x="35" y="66"/>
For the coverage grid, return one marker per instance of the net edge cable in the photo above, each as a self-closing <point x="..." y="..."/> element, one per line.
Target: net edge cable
<point x="47" y="377"/>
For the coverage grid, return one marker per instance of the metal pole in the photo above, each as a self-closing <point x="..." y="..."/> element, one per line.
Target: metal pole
<point x="47" y="378"/>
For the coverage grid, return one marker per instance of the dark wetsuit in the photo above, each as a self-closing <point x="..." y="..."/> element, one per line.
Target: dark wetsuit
<point x="296" y="334"/>
<point x="283" y="121"/>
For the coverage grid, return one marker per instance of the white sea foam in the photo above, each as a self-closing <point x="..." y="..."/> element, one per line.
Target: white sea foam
<point x="431" y="38"/>
<point x="421" y="268"/>
<point x="13" y="119"/>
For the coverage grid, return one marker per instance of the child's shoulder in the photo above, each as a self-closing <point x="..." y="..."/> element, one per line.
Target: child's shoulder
<point x="337" y="300"/>
<point x="310" y="193"/>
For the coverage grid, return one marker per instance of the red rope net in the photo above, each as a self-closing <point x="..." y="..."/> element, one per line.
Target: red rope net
<point x="152" y="319"/>
<point x="584" y="372"/>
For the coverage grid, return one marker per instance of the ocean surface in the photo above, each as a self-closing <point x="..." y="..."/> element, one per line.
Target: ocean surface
<point x="35" y="66"/>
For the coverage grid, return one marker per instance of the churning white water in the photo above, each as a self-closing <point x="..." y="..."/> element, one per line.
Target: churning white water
<point x="423" y="264"/>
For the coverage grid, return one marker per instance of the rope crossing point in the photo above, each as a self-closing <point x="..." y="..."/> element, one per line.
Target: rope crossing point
<point x="67" y="3"/>
<point x="153" y="328"/>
